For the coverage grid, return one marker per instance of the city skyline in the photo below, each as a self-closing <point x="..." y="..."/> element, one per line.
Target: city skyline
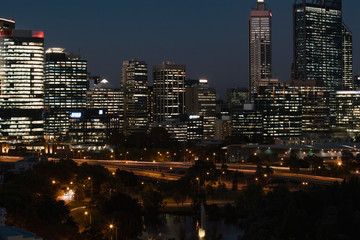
<point x="207" y="36"/>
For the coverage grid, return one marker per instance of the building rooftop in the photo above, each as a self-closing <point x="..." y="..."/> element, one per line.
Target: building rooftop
<point x="104" y="84"/>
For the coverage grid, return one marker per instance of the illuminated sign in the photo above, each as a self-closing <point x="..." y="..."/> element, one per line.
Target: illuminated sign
<point x="203" y="81"/>
<point x="101" y="112"/>
<point x="37" y="34"/>
<point x="75" y="115"/>
<point x="194" y="117"/>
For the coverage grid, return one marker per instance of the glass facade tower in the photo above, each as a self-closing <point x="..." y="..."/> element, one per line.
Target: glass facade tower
<point x="348" y="83"/>
<point x="169" y="91"/>
<point x="65" y="91"/>
<point x="134" y="81"/>
<point x="318" y="42"/>
<point x="260" y="52"/>
<point x="21" y="84"/>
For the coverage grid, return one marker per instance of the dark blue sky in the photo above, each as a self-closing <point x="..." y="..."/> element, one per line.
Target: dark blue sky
<point x="209" y="36"/>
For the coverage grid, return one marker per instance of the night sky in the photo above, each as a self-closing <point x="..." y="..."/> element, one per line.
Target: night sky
<point x="209" y="36"/>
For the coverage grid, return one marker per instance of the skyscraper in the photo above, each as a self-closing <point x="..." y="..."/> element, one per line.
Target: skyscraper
<point x="65" y="90"/>
<point x="200" y="99"/>
<point x="282" y="112"/>
<point x="134" y="82"/>
<point x="318" y="42"/>
<point x="260" y="53"/>
<point x="169" y="91"/>
<point x="347" y="53"/>
<point x="104" y="96"/>
<point x="21" y="84"/>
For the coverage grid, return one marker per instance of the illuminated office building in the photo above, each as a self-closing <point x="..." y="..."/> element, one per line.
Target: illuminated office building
<point x="185" y="127"/>
<point x="237" y="97"/>
<point x="260" y="52"/>
<point x="315" y="110"/>
<point x="21" y="84"/>
<point x="318" y="42"/>
<point x="348" y="112"/>
<point x="348" y="83"/>
<point x="169" y="91"/>
<point x="195" y="127"/>
<point x="282" y="112"/>
<point x="92" y="126"/>
<point x="150" y="105"/>
<point x="65" y="91"/>
<point x="134" y="82"/>
<point x="223" y="128"/>
<point x="106" y="97"/>
<point x="200" y="100"/>
<point x="176" y="128"/>
<point x="248" y="122"/>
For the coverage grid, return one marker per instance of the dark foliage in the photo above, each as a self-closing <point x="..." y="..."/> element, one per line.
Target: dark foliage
<point x="327" y="213"/>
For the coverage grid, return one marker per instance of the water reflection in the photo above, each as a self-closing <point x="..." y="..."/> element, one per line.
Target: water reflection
<point x="175" y="227"/>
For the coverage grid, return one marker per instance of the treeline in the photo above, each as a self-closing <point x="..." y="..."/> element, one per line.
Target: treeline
<point x="331" y="213"/>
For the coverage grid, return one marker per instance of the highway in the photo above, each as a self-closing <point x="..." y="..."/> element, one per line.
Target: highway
<point x="170" y="171"/>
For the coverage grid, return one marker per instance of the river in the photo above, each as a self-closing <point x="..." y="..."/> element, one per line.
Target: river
<point x="177" y="227"/>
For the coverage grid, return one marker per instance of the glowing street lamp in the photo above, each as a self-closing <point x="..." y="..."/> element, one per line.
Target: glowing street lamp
<point x="86" y="213"/>
<point x="111" y="226"/>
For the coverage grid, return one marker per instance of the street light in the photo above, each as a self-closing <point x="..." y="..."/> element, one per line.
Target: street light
<point x="91" y="185"/>
<point x="86" y="213"/>
<point x="198" y="180"/>
<point x="111" y="226"/>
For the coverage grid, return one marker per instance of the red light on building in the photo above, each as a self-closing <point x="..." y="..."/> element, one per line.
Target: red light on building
<point x="6" y="33"/>
<point x="38" y="34"/>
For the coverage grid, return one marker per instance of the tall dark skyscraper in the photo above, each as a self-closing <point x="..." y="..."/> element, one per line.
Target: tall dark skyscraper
<point x="348" y="82"/>
<point x="260" y="52"/>
<point x="134" y="81"/>
<point x="318" y="43"/>
<point x="169" y="91"/>
<point x="65" y="91"/>
<point x="21" y="84"/>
